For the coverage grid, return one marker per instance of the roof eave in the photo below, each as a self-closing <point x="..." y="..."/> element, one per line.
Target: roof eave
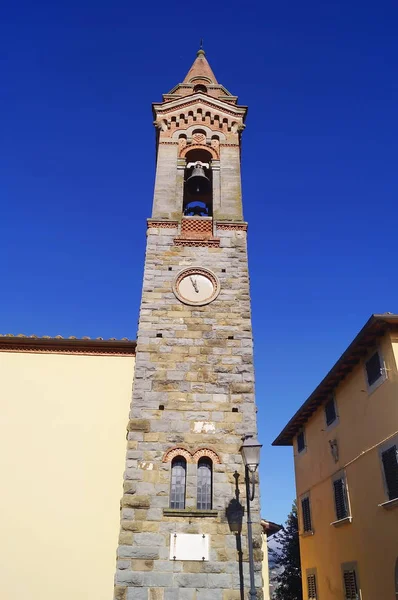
<point x="374" y="327"/>
<point x="50" y="344"/>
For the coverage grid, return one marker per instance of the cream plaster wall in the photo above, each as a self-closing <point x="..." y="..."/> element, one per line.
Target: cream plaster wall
<point x="62" y="448"/>
<point x="365" y="420"/>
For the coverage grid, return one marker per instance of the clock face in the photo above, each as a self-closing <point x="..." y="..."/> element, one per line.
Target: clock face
<point x="196" y="286"/>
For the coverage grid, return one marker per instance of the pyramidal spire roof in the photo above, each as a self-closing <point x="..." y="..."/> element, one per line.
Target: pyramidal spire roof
<point x="200" y="69"/>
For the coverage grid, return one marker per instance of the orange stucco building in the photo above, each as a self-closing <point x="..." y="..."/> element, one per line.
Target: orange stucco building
<point x="345" y="442"/>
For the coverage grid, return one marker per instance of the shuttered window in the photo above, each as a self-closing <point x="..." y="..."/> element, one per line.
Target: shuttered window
<point x="330" y="411"/>
<point x="350" y="585"/>
<point x="311" y="585"/>
<point x="340" y="498"/>
<point x="300" y="441"/>
<point x="373" y="368"/>
<point x="306" y="513"/>
<point x="178" y="479"/>
<point x="390" y="465"/>
<point x="204" y="491"/>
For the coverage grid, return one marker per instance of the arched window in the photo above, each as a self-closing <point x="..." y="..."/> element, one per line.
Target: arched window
<point x="178" y="479"/>
<point x="205" y="484"/>
<point x="200" y="88"/>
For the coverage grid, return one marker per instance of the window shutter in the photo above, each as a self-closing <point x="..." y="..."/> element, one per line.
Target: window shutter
<point x="311" y="584"/>
<point x="340" y="498"/>
<point x="300" y="441"/>
<point x="330" y="411"/>
<point x="390" y="465"/>
<point x="306" y="510"/>
<point x="373" y="368"/>
<point x="350" y="585"/>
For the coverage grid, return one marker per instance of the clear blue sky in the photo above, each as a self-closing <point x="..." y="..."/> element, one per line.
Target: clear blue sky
<point x="319" y="173"/>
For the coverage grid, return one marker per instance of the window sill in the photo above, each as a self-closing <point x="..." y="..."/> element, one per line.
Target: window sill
<point x="307" y="533"/>
<point x="341" y="522"/>
<point x="372" y="388"/>
<point x="332" y="425"/>
<point x="389" y="504"/>
<point x="189" y="512"/>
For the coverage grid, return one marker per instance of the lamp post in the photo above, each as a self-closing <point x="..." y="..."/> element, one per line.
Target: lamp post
<point x="250" y="451"/>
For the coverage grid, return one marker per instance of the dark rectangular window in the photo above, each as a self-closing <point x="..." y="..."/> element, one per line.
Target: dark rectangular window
<point x="390" y="466"/>
<point x="373" y="368"/>
<point x="340" y="498"/>
<point x="330" y="411"/>
<point x="311" y="585"/>
<point x="300" y="441"/>
<point x="306" y="512"/>
<point x="350" y="584"/>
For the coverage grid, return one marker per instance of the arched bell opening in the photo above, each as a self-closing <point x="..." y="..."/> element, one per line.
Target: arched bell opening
<point x="198" y="184"/>
<point x="200" y="88"/>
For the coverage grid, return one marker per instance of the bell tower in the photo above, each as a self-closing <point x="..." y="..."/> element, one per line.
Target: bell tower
<point x="183" y="522"/>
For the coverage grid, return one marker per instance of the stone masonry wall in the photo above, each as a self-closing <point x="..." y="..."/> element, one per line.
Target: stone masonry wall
<point x="199" y="370"/>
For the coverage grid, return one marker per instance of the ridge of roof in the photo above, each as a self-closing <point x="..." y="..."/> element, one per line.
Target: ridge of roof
<point x="375" y="326"/>
<point x="60" y="337"/>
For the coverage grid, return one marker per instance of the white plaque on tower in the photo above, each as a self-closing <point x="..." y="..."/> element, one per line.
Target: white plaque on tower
<point x="189" y="546"/>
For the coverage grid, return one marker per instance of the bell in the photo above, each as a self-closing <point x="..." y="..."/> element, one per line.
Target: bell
<point x="197" y="182"/>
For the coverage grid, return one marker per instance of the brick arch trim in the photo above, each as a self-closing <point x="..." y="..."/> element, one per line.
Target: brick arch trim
<point x="189" y="457"/>
<point x="206" y="452"/>
<point x="174" y="452"/>
<point x="208" y="149"/>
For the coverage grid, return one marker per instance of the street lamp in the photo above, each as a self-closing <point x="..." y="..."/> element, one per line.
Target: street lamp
<point x="250" y="451"/>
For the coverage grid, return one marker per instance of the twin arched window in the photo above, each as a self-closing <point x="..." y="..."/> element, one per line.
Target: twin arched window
<point x="178" y="482"/>
<point x="204" y="484"/>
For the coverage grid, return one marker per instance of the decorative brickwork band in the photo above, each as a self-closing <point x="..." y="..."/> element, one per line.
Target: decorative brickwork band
<point x="189" y="457"/>
<point x="232" y="226"/>
<point x="196" y="228"/>
<point x="214" y="243"/>
<point x="163" y="224"/>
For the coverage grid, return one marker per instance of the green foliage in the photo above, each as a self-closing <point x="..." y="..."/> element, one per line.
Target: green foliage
<point x="287" y="559"/>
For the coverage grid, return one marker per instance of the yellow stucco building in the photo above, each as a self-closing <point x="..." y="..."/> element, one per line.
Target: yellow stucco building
<point x="345" y="440"/>
<point x="64" y="409"/>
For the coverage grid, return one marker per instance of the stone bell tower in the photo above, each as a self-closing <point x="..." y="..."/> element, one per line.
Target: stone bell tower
<point x="183" y="523"/>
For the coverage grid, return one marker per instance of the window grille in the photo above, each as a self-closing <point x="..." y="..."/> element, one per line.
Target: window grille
<point x="204" y="482"/>
<point x="178" y="480"/>
<point x="330" y="411"/>
<point x="350" y="585"/>
<point x="306" y="512"/>
<point x="390" y="464"/>
<point x="311" y="585"/>
<point x="340" y="498"/>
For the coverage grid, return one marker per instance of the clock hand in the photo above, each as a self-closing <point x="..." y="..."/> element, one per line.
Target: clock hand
<point x="195" y="285"/>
